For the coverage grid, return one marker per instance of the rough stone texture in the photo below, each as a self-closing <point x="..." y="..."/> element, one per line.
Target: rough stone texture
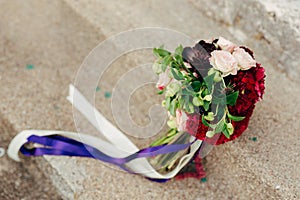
<point x="57" y="36"/>
<point x="276" y="22"/>
<point x="17" y="179"/>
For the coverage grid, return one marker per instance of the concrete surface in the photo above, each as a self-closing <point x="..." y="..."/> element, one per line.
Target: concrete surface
<point x="275" y="22"/>
<point x="21" y="180"/>
<point x="56" y="36"/>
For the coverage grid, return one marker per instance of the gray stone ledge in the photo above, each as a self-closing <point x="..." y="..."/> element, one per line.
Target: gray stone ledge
<point x="274" y="21"/>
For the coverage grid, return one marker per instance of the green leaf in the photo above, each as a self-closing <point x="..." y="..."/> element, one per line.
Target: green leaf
<point x="235" y="118"/>
<point x="165" y="62"/>
<point x="173" y="107"/>
<point x="180" y="102"/>
<point x="221" y="111"/>
<point x="177" y="74"/>
<point x="191" y="108"/>
<point x="231" y="98"/>
<point x="209" y="80"/>
<point x="159" y="52"/>
<point x="204" y="121"/>
<point x="206" y="105"/>
<point x="220" y="126"/>
<point x="167" y="59"/>
<point x="226" y="133"/>
<point x="168" y="103"/>
<point x="196" y="85"/>
<point x="209" y="116"/>
<point x="197" y="101"/>
<point x="230" y="128"/>
<point x="160" y="92"/>
<point x="187" y="92"/>
<point x="220" y="99"/>
<point x="178" y="50"/>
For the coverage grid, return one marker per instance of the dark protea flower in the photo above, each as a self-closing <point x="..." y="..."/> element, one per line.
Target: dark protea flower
<point x="198" y="57"/>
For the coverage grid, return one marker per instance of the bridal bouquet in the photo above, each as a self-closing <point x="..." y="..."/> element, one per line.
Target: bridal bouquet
<point x="210" y="91"/>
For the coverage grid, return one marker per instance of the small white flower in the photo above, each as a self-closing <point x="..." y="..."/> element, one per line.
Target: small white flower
<point x="244" y="59"/>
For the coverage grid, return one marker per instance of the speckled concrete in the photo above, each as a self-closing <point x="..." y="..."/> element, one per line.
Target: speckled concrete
<point x="56" y="37"/>
<point x="274" y="22"/>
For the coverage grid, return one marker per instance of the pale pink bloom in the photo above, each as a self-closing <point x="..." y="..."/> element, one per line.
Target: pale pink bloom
<point x="226" y="45"/>
<point x="244" y="59"/>
<point x="181" y="118"/>
<point x="163" y="79"/>
<point x="224" y="62"/>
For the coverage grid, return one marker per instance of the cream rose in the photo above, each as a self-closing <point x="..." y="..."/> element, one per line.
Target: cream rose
<point x="244" y="59"/>
<point x="226" y="45"/>
<point x="224" y="62"/>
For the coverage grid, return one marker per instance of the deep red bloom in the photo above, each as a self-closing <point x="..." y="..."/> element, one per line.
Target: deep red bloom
<point x="251" y="85"/>
<point x="198" y="173"/>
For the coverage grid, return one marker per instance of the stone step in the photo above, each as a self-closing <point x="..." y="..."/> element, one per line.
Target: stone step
<point x="58" y="35"/>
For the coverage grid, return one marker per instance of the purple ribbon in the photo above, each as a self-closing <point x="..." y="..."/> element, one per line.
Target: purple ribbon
<point x="62" y="146"/>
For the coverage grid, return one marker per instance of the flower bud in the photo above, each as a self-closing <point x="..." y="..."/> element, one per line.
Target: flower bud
<point x="210" y="134"/>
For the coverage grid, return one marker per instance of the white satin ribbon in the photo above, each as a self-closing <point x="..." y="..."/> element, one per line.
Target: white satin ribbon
<point x="118" y="146"/>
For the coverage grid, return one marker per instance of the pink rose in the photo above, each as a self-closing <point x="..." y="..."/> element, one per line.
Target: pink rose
<point x="224" y="62"/>
<point x="244" y="59"/>
<point x="181" y="118"/>
<point x="226" y="45"/>
<point x="163" y="79"/>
